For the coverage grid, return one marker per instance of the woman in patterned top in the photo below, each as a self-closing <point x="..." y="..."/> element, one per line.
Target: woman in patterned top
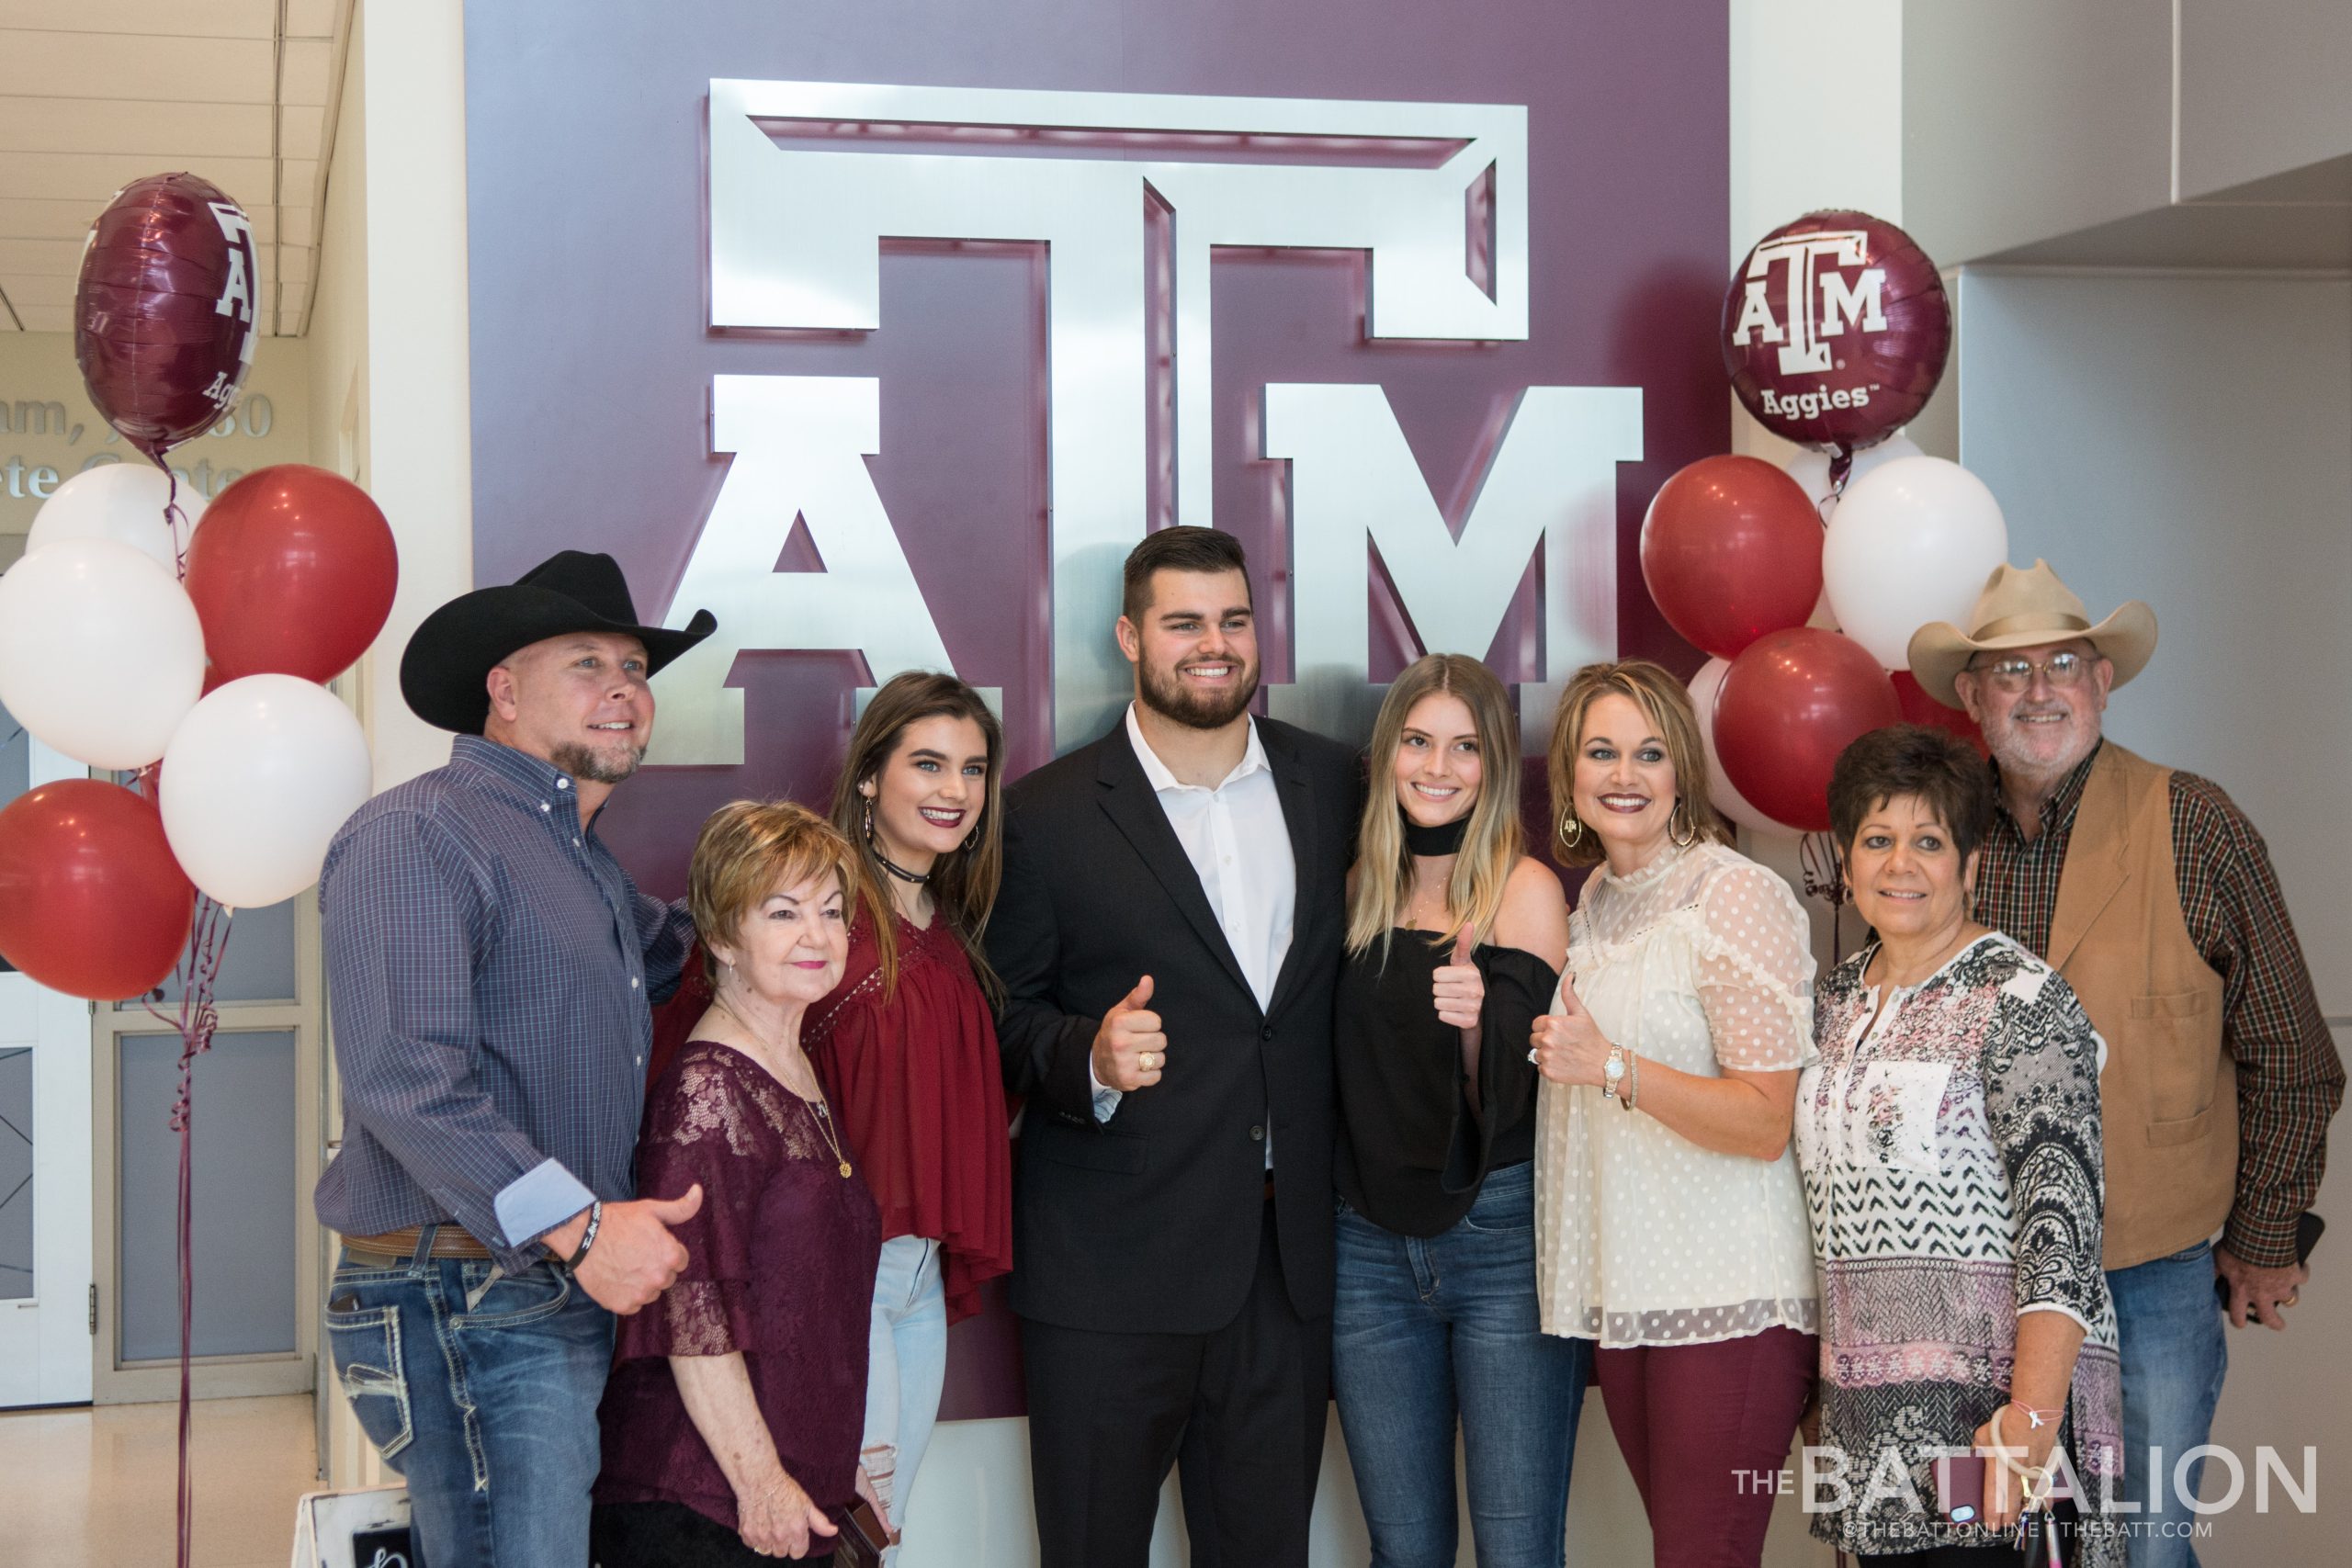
<point x="731" y="1421"/>
<point x="1669" y="1221"/>
<point x="1948" y="1133"/>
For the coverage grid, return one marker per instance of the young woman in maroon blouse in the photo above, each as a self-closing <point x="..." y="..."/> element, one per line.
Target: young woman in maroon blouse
<point x="732" y="1418"/>
<point x="907" y="1048"/>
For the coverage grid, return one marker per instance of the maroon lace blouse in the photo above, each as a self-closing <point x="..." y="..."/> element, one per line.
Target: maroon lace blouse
<point x="780" y="1266"/>
<point x="919" y="1084"/>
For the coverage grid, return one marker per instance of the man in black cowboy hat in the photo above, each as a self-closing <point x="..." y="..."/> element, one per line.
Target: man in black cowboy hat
<point x="491" y="968"/>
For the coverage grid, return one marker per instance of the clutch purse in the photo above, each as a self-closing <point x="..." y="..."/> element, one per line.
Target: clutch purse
<point x="863" y="1538"/>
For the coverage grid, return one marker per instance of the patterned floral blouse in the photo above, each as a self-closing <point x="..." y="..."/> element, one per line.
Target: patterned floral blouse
<point x="1949" y="1142"/>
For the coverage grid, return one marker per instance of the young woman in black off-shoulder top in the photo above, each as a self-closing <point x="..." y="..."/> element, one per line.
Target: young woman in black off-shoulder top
<point x="1454" y="944"/>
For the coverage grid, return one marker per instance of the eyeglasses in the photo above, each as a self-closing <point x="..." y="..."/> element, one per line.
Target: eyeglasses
<point x="2064" y="669"/>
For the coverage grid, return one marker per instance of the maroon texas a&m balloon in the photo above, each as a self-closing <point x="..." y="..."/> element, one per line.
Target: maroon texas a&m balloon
<point x="166" y="314"/>
<point x="1835" y="329"/>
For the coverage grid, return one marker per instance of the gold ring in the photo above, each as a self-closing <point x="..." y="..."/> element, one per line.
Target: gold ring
<point x="1146" y="1061"/>
<point x="2290" y="1301"/>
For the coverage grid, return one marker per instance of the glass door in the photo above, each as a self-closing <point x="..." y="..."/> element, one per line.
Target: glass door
<point x="45" y="1128"/>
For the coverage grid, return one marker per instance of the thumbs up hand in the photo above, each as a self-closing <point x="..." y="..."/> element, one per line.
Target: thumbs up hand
<point x="1568" y="1045"/>
<point x="1130" y="1052"/>
<point x="1457" y="988"/>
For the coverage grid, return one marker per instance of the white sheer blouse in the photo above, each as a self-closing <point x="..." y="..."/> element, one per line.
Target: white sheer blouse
<point x="1699" y="960"/>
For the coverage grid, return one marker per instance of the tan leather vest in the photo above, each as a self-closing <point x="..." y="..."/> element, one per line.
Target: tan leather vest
<point x="2168" y="1095"/>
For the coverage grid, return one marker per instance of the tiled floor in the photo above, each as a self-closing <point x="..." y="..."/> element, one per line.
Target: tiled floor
<point x="95" y="1488"/>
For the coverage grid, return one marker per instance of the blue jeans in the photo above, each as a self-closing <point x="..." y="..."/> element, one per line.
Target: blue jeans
<point x="482" y="1392"/>
<point x="1427" y="1333"/>
<point x="906" y="1367"/>
<point x="2174" y="1355"/>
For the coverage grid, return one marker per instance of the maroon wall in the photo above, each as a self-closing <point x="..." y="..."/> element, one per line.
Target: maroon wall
<point x="592" y="362"/>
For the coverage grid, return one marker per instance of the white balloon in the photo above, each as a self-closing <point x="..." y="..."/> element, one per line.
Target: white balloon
<point x="257" y="779"/>
<point x="101" y="654"/>
<point x="122" y="502"/>
<point x="1913" y="542"/>
<point x="1720" y="791"/>
<point x="1811" y="470"/>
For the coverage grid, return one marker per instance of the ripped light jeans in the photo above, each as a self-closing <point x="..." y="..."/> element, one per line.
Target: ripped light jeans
<point x="482" y="1392"/>
<point x="906" y="1367"/>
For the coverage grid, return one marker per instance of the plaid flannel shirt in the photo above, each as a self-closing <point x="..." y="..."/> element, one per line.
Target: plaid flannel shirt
<point x="490" y="967"/>
<point x="2290" y="1078"/>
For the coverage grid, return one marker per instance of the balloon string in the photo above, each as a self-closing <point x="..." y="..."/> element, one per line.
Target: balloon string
<point x="1825" y="880"/>
<point x="197" y="1020"/>
<point x="175" y="519"/>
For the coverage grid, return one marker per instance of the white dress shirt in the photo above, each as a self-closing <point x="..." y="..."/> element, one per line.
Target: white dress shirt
<point x="1240" y="847"/>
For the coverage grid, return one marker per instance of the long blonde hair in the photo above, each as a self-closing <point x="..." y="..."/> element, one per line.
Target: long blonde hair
<point x="1492" y="844"/>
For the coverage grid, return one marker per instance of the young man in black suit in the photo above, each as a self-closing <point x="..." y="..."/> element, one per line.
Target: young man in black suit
<point x="1168" y="933"/>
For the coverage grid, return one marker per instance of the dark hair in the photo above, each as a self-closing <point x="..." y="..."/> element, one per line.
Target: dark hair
<point x="1936" y="768"/>
<point x="963" y="881"/>
<point x="1180" y="548"/>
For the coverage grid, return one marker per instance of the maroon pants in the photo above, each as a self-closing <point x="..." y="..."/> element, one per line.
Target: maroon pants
<point x="1705" y="1430"/>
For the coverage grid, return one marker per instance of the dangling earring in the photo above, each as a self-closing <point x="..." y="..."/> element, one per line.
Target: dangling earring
<point x="1690" y="833"/>
<point x="969" y="839"/>
<point x="1571" y="829"/>
<point x="868" y="825"/>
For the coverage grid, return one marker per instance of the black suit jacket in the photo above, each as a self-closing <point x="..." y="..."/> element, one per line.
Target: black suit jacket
<point x="1149" y="1223"/>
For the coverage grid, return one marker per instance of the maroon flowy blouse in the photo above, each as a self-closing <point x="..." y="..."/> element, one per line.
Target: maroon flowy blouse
<point x="920" y="1087"/>
<point x="780" y="1264"/>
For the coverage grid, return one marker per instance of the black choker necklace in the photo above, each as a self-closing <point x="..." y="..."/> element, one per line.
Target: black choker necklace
<point x="895" y="869"/>
<point x="874" y="847"/>
<point x="1443" y="839"/>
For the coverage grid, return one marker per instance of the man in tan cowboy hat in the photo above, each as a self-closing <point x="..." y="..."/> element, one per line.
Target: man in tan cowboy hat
<point x="2152" y="892"/>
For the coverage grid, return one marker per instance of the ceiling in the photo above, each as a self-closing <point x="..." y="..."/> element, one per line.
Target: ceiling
<point x="94" y="93"/>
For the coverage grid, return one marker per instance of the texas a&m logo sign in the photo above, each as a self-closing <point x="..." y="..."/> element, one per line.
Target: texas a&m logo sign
<point x="1132" y="195"/>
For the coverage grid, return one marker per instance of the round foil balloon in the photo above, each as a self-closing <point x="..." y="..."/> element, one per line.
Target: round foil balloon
<point x="165" y="317"/>
<point x="1836" y="330"/>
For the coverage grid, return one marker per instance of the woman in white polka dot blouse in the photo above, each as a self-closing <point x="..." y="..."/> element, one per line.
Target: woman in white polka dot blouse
<point x="1670" y="1224"/>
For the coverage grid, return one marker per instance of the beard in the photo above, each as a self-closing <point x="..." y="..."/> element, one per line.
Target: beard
<point x="608" y="767"/>
<point x="1164" y="693"/>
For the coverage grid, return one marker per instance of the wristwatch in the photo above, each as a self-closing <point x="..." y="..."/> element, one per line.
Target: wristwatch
<point x="1612" y="1072"/>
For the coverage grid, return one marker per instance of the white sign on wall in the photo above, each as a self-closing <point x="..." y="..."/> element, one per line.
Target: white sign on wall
<point x="806" y="179"/>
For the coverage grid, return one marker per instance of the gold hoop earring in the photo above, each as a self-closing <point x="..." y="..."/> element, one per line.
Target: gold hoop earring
<point x="1570" y="831"/>
<point x="1690" y="833"/>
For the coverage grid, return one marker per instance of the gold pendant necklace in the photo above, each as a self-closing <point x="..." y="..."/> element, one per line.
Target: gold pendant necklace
<point x="825" y="1125"/>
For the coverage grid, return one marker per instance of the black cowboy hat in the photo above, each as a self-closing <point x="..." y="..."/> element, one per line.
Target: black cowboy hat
<point x="447" y="663"/>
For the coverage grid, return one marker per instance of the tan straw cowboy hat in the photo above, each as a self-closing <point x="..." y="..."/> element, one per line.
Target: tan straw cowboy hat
<point x="2027" y="609"/>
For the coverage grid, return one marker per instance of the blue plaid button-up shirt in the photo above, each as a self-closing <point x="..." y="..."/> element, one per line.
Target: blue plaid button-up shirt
<point x="490" y="970"/>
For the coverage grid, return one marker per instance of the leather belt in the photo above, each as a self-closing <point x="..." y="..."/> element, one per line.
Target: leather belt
<point x="400" y="1246"/>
